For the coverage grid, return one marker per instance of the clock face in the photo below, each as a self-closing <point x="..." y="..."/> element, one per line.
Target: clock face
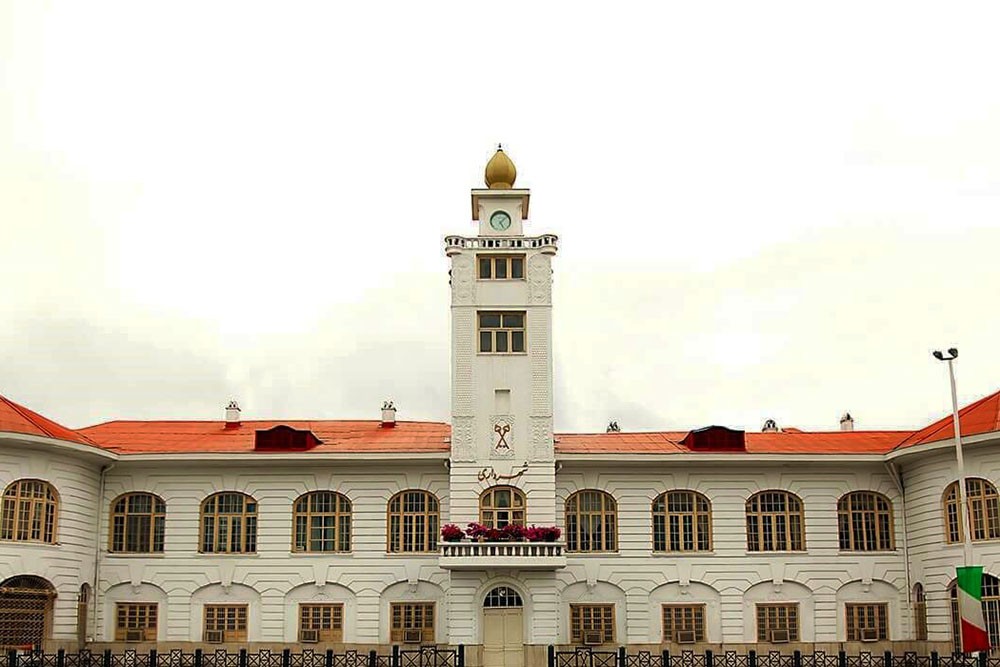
<point x="500" y="221"/>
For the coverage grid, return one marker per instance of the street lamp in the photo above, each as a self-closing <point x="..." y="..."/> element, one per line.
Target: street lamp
<point x="963" y="509"/>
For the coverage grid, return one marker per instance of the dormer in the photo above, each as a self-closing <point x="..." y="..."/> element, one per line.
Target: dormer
<point x="715" y="439"/>
<point x="282" y="438"/>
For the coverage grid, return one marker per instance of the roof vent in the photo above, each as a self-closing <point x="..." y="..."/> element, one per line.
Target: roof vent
<point x="388" y="414"/>
<point x="232" y="414"/>
<point x="285" y="438"/>
<point x="715" y="439"/>
<point x="847" y="422"/>
<point x="770" y="426"/>
<point x="613" y="427"/>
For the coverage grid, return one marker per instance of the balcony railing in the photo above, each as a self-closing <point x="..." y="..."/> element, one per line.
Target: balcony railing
<point x="517" y="555"/>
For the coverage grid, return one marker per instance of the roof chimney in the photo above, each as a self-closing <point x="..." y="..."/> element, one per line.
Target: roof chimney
<point x="770" y="426"/>
<point x="847" y="422"/>
<point x="613" y="427"/>
<point x="388" y="414"/>
<point x="232" y="414"/>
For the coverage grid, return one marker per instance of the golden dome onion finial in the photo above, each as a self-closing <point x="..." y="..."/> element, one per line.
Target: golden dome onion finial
<point x="500" y="171"/>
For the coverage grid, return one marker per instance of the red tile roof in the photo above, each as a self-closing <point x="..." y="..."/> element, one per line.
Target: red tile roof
<point x="792" y="441"/>
<point x="16" y="418"/>
<point x="983" y="416"/>
<point x="187" y="437"/>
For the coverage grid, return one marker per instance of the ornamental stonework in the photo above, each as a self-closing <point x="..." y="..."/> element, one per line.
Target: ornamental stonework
<point x="463" y="280"/>
<point x="539" y="279"/>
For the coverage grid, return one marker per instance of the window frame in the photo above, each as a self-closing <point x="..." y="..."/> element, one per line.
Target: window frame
<point x="761" y="529"/>
<point x="155" y="531"/>
<point x="509" y="332"/>
<point x="878" y="612"/>
<point x="763" y="633"/>
<point x="396" y="633"/>
<point x="663" y="526"/>
<point x="43" y="510"/>
<point x="342" y="516"/>
<point x="333" y="634"/>
<point x="488" y="513"/>
<point x="431" y="524"/>
<point x="608" y="621"/>
<point x="574" y="525"/>
<point x="235" y="635"/>
<point x="247" y="522"/>
<point x="507" y="259"/>
<point x="977" y="505"/>
<point x="697" y="621"/>
<point x="848" y="514"/>
<point x="149" y="629"/>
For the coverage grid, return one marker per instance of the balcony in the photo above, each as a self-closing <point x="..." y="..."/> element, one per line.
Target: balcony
<point x="505" y="555"/>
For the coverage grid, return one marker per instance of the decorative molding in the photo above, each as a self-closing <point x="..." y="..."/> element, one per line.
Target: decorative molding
<point x="501" y="436"/>
<point x="542" y="448"/>
<point x="463" y="280"/>
<point x="462" y="445"/>
<point x="539" y="279"/>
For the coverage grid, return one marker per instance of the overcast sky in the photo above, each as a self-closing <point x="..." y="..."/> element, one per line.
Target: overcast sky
<point x="764" y="209"/>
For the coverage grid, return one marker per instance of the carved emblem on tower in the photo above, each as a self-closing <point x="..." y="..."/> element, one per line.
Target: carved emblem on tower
<point x="502" y="435"/>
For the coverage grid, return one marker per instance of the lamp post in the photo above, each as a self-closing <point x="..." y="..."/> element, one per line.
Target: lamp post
<point x="963" y="509"/>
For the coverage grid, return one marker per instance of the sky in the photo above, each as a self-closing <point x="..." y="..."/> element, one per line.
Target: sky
<point x="765" y="210"/>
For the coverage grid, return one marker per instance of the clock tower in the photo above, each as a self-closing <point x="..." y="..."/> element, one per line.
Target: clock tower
<point x="501" y="365"/>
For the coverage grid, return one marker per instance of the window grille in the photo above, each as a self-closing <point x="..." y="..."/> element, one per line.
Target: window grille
<point x="322" y="522"/>
<point x="682" y="521"/>
<point x="28" y="512"/>
<point x="229" y="523"/>
<point x="783" y="617"/>
<point x="867" y="617"/>
<point x="413" y="522"/>
<point x="865" y="522"/>
<point x="25" y="610"/>
<point x="502" y="597"/>
<point x="586" y="620"/>
<point x="775" y="522"/>
<point x="137" y="523"/>
<point x="412" y="616"/>
<point x="591" y="522"/>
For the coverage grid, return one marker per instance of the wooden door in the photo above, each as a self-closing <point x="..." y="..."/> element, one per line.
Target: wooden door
<point x="503" y="638"/>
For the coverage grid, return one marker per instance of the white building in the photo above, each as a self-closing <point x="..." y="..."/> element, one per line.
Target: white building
<point x="272" y="532"/>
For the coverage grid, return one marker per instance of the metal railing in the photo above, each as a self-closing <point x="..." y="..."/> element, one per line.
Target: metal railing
<point x="589" y="657"/>
<point x="423" y="656"/>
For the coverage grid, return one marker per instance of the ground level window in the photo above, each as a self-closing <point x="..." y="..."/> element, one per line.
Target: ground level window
<point x="867" y="622"/>
<point x="321" y="622"/>
<point x="684" y="623"/>
<point x="778" y="623"/>
<point x="592" y="623"/>
<point x="919" y="613"/>
<point x="25" y="610"/>
<point x="136" y="622"/>
<point x="412" y="622"/>
<point x="225" y="622"/>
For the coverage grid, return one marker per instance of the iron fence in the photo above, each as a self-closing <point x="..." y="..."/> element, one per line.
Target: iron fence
<point x="424" y="656"/>
<point x="589" y="657"/>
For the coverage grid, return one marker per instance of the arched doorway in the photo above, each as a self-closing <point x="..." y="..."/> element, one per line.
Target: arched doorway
<point x="25" y="610"/>
<point x="82" y="607"/>
<point x="503" y="628"/>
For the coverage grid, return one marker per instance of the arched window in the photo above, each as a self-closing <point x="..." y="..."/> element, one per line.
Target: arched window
<point x="25" y="610"/>
<point x="919" y="613"/>
<point x="500" y="506"/>
<point x="682" y="521"/>
<point x="865" y="522"/>
<point x="502" y="597"/>
<point x="29" y="511"/>
<point x="775" y="522"/>
<point x="229" y="523"/>
<point x="82" y="606"/>
<point x="137" y="523"/>
<point x="591" y="522"/>
<point x="991" y="611"/>
<point x="984" y="510"/>
<point x="413" y="522"/>
<point x="322" y="522"/>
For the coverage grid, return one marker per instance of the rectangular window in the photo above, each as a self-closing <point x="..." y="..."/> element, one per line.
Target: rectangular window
<point x="321" y="622"/>
<point x="415" y="617"/>
<point x="228" y="619"/>
<point x="867" y="622"/>
<point x="684" y="623"/>
<point x="778" y="622"/>
<point x="135" y="621"/>
<point x="501" y="332"/>
<point x="501" y="267"/>
<point x="592" y="623"/>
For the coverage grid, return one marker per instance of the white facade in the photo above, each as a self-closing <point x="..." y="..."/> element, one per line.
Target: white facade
<point x="501" y="433"/>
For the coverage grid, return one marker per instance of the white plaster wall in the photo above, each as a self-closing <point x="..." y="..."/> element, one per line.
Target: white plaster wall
<point x="69" y="563"/>
<point x="932" y="561"/>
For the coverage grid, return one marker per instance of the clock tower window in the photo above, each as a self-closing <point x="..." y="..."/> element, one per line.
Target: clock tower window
<point x="501" y="267"/>
<point x="501" y="332"/>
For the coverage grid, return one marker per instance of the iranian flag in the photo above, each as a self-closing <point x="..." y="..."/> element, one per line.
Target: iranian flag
<point x="970" y="610"/>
